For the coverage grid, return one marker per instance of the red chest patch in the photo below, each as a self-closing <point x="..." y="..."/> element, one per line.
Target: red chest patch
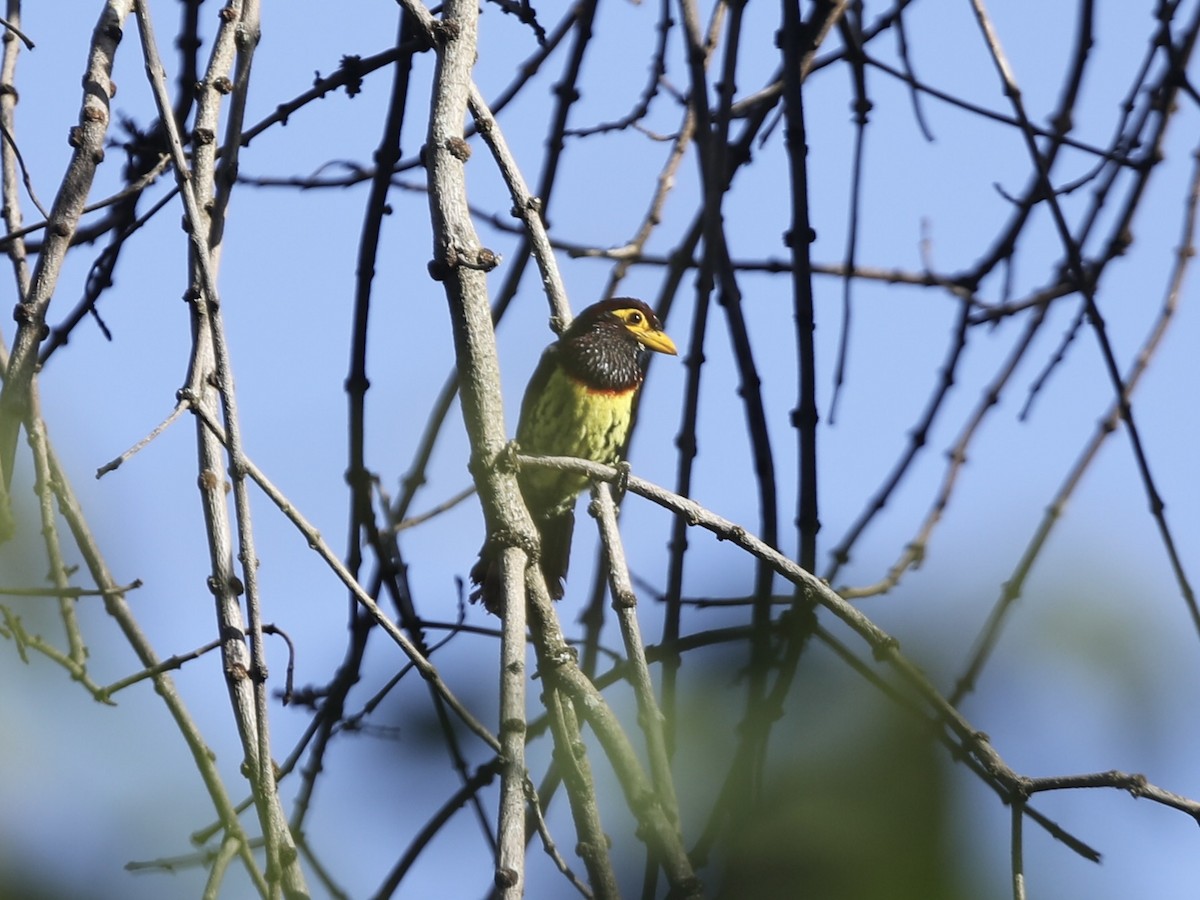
<point x="603" y="392"/>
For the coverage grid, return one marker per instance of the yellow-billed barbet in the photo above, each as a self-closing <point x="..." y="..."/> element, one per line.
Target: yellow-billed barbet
<point x="579" y="403"/>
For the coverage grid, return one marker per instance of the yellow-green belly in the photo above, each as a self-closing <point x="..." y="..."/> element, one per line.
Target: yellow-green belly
<point x="570" y="420"/>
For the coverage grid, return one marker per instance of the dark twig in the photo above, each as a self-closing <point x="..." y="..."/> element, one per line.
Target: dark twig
<point x="1014" y="585"/>
<point x="1086" y="286"/>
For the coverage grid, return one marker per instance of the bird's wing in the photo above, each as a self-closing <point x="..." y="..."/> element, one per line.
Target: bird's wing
<point x="537" y="387"/>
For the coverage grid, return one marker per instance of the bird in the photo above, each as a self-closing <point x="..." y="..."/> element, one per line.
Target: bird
<point x="579" y="402"/>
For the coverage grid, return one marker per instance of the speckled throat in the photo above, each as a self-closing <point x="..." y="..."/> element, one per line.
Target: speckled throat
<point x="603" y="355"/>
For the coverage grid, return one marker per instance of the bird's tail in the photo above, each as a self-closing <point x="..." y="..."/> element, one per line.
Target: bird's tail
<point x="485" y="581"/>
<point x="555" y="534"/>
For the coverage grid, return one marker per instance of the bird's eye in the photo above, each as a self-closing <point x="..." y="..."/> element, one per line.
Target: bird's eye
<point x="635" y="318"/>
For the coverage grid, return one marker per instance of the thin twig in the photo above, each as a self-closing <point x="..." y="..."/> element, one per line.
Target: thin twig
<point x="88" y="139"/>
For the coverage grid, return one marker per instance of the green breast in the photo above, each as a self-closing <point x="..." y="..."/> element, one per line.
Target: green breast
<point x="567" y="419"/>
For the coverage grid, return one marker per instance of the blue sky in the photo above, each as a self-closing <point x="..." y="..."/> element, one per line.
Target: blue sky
<point x="1096" y="670"/>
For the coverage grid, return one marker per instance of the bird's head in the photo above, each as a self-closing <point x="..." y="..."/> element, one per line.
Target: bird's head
<point x="636" y="317"/>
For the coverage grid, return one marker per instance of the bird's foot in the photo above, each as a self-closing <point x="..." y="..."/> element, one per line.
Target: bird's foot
<point x="506" y="459"/>
<point x="621" y="485"/>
